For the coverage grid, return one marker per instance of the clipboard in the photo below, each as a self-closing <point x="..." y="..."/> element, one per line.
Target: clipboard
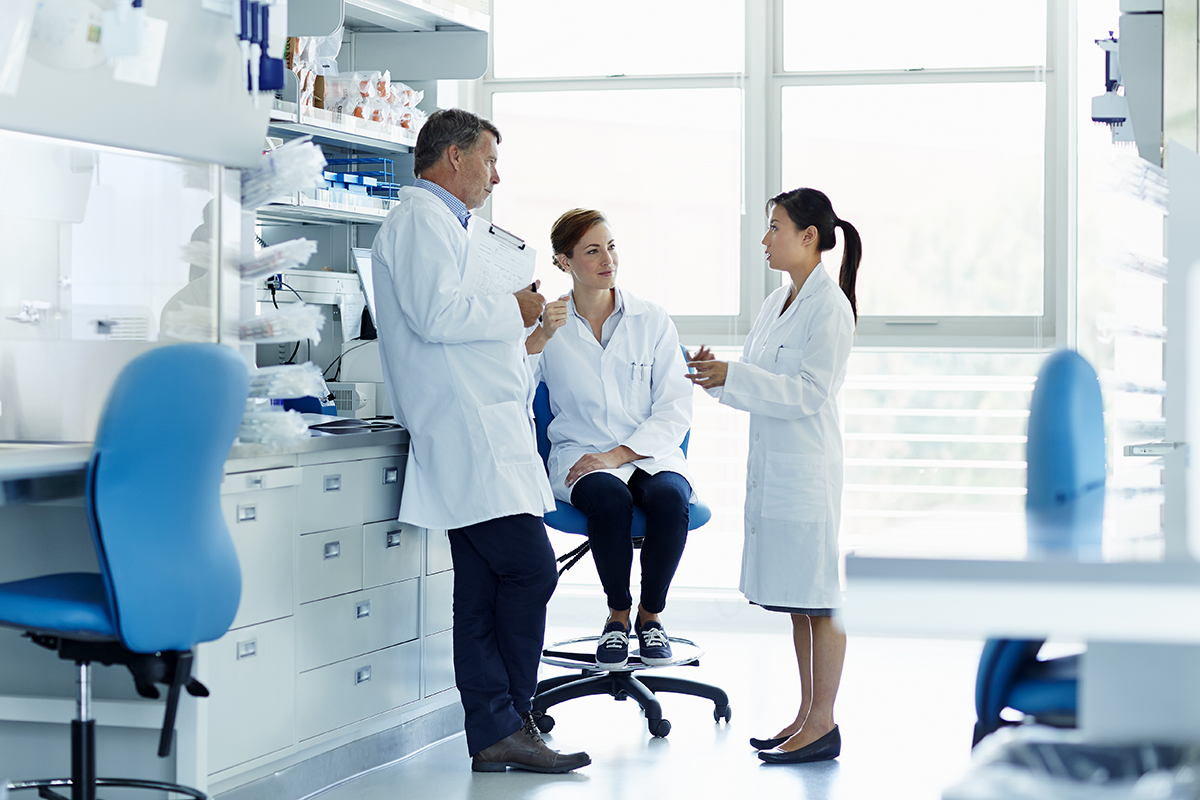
<point x="497" y="261"/>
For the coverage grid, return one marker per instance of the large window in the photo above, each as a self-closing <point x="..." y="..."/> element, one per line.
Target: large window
<point x="819" y="36"/>
<point x="927" y="124"/>
<point x="945" y="131"/>
<point x="571" y="38"/>
<point x="946" y="193"/>
<point x="672" y="200"/>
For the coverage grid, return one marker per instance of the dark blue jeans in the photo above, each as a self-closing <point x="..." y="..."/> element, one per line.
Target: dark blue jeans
<point x="608" y="504"/>
<point x="504" y="574"/>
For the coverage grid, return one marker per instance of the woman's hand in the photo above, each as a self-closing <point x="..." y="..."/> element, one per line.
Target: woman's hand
<point x="593" y="461"/>
<point x="554" y="316"/>
<point x="705" y="371"/>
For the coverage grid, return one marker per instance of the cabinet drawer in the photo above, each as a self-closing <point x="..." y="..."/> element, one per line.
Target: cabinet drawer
<point x="331" y="563"/>
<point x="352" y="624"/>
<point x="438" y="559"/>
<point x="391" y="552"/>
<point x="330" y="496"/>
<point x="348" y="691"/>
<point x="251" y="673"/>
<point x="262" y="525"/>
<point x="439" y="602"/>
<point x="439" y="662"/>
<point x="382" y="479"/>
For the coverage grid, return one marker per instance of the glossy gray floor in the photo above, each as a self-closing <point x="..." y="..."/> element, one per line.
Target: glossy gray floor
<point x="905" y="712"/>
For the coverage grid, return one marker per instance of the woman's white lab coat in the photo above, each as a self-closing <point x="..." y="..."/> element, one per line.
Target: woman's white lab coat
<point x="456" y="372"/>
<point x="633" y="392"/>
<point x="788" y="378"/>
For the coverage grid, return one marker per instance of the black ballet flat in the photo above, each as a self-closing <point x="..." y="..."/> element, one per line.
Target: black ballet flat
<point x="826" y="748"/>
<point x="767" y="744"/>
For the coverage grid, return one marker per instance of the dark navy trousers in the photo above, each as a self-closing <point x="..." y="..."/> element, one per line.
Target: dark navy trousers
<point x="504" y="574"/>
<point x="608" y="504"/>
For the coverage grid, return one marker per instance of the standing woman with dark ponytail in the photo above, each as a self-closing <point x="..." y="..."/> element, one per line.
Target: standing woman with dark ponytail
<point x="792" y="367"/>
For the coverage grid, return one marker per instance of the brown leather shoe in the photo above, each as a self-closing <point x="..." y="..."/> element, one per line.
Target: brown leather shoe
<point x="526" y="750"/>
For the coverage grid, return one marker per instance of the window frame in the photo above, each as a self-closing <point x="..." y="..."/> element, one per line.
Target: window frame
<point x="762" y="83"/>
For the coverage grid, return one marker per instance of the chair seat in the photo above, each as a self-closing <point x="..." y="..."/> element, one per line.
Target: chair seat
<point x="69" y="604"/>
<point x="568" y="519"/>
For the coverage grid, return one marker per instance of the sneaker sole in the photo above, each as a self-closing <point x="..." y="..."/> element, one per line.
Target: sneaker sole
<point x="612" y="665"/>
<point x="501" y="766"/>
<point x="658" y="662"/>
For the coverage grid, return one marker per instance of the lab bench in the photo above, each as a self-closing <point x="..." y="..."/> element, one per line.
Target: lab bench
<point x="339" y="656"/>
<point x="1139" y="620"/>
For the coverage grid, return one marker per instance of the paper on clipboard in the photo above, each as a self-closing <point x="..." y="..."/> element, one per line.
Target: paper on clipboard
<point x="497" y="261"/>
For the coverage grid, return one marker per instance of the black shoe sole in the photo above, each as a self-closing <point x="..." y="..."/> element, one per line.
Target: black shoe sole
<point x="501" y="766"/>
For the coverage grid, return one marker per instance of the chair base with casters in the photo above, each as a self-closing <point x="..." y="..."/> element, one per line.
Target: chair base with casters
<point x="621" y="684"/>
<point x="170" y="668"/>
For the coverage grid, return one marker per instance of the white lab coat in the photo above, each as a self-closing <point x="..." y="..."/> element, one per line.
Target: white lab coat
<point x="456" y="374"/>
<point x="788" y="378"/>
<point x="632" y="392"/>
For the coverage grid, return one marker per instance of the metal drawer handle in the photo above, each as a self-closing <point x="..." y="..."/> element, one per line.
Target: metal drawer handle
<point x="333" y="549"/>
<point x="255" y="482"/>
<point x="247" y="649"/>
<point x="362" y="609"/>
<point x="333" y="483"/>
<point x="247" y="513"/>
<point x="391" y="474"/>
<point x="394" y="538"/>
<point x="362" y="674"/>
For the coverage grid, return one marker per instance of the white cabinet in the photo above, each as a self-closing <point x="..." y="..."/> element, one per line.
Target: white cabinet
<point x="391" y="552"/>
<point x="352" y="624"/>
<point x="344" y="624"/>
<point x="260" y="511"/>
<point x="348" y="691"/>
<point x="251" y="709"/>
<point x="330" y="563"/>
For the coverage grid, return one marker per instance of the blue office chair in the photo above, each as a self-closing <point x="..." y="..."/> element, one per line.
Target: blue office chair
<point x="169" y="576"/>
<point x="620" y="684"/>
<point x="1064" y="512"/>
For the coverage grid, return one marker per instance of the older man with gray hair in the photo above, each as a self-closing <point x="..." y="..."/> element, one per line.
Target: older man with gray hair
<point x="455" y="371"/>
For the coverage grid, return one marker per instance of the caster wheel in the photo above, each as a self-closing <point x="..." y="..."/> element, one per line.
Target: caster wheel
<point x="659" y="727"/>
<point x="545" y="723"/>
<point x="722" y="712"/>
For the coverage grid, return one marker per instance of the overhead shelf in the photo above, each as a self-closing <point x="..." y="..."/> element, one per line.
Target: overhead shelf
<point x="322" y="17"/>
<point x="304" y="208"/>
<point x="349" y="132"/>
<point x="417" y="40"/>
<point x="416" y="15"/>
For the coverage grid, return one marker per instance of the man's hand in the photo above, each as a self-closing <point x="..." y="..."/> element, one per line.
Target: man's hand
<point x="531" y="303"/>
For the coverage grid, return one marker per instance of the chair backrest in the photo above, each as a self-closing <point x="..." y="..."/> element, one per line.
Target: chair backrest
<point x="1001" y="665"/>
<point x="1064" y="502"/>
<point x="153" y="496"/>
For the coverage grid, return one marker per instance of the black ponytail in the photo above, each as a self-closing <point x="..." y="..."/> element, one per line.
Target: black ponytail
<point x="811" y="208"/>
<point x="851" y="256"/>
